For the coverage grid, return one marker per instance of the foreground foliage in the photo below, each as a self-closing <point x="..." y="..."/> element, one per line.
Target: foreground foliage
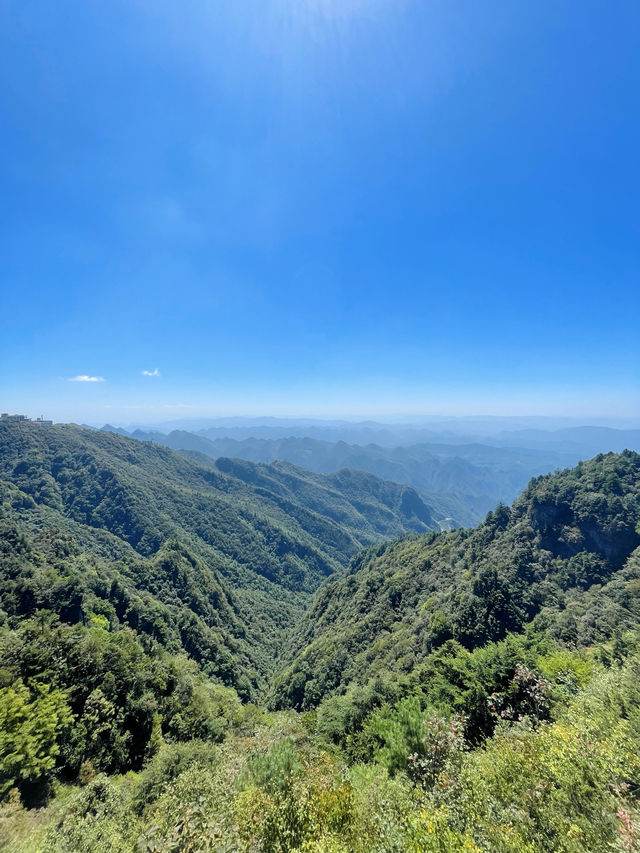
<point x="566" y="785"/>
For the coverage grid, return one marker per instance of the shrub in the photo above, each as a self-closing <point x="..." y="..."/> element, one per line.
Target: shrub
<point x="167" y="765"/>
<point x="421" y="745"/>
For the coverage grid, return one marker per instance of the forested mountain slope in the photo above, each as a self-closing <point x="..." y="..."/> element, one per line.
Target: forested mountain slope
<point x="214" y="559"/>
<point x="564" y="556"/>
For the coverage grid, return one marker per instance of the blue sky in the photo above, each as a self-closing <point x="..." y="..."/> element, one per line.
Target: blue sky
<point x="321" y="207"/>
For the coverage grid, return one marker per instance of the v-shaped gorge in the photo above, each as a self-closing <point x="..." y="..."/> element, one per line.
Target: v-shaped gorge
<point x="216" y="559"/>
<point x="257" y="571"/>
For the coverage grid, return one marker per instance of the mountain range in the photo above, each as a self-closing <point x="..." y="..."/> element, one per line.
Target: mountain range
<point x="470" y="477"/>
<point x="222" y="654"/>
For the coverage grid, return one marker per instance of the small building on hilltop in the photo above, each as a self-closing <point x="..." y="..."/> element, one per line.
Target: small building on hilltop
<point x="41" y="420"/>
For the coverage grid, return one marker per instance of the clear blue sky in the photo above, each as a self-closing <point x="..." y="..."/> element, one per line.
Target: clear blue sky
<point x="319" y="206"/>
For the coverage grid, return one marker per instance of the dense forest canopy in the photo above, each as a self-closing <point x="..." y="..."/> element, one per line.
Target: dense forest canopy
<point x="562" y="558"/>
<point x="224" y="655"/>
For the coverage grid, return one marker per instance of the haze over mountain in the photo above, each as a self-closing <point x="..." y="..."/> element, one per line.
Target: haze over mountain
<point x="416" y="430"/>
<point x="472" y="477"/>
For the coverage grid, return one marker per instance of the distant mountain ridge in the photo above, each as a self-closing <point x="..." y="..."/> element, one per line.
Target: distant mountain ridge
<point x="585" y="440"/>
<point x="471" y="478"/>
<point x="445" y="430"/>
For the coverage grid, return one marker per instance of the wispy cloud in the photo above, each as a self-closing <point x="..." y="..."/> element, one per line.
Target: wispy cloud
<point x="84" y="378"/>
<point x="155" y="372"/>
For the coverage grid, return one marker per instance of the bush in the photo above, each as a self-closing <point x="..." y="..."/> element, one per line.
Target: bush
<point x="422" y="745"/>
<point x="97" y="820"/>
<point x="169" y="763"/>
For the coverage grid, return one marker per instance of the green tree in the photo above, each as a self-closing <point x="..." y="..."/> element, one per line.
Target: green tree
<point x="31" y="725"/>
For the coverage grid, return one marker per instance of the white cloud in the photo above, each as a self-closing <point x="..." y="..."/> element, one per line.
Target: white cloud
<point x="84" y="378"/>
<point x="155" y="372"/>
